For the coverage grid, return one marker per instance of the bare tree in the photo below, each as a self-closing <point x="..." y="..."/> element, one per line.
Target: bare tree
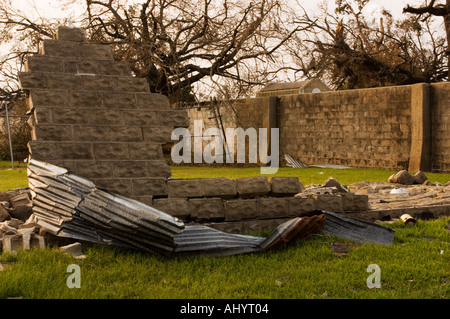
<point x="353" y="51"/>
<point x="435" y="9"/>
<point x="175" y="44"/>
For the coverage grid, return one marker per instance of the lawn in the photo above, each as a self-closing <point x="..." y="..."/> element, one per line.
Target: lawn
<point x="17" y="178"/>
<point x="415" y="266"/>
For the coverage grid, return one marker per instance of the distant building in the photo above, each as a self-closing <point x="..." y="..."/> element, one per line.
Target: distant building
<point x="301" y="87"/>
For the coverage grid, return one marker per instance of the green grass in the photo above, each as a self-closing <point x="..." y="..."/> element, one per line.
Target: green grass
<point x="17" y="178"/>
<point x="306" y="175"/>
<point x="415" y="266"/>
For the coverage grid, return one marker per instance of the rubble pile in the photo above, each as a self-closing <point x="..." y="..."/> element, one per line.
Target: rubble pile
<point x="18" y="228"/>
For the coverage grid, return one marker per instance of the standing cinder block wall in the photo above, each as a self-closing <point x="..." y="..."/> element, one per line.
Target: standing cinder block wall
<point x="91" y="116"/>
<point x="358" y="128"/>
<point x="440" y="126"/>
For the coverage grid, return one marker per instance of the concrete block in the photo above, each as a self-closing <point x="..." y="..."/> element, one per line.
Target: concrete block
<point x="111" y="151"/>
<point x="157" y="169"/>
<point x="84" y="99"/>
<point x="272" y="207"/>
<point x="59" y="48"/>
<point x="145" y="151"/>
<point x="149" y="186"/>
<point x="81" y="66"/>
<point x="299" y="205"/>
<point x="147" y="200"/>
<point x="43" y="151"/>
<point x="63" y="81"/>
<point x="65" y="116"/>
<point x="73" y="250"/>
<point x="4" y="215"/>
<point x="42" y="63"/>
<point x="101" y="133"/>
<point x="105" y="117"/>
<point x="185" y="188"/>
<point x="353" y="202"/>
<point x="140" y="117"/>
<point x="48" y="151"/>
<point x="119" y="100"/>
<point x="177" y="207"/>
<point x="252" y="186"/>
<point x="70" y="34"/>
<point x="175" y="118"/>
<point x="284" y="186"/>
<point x="329" y="202"/>
<point x="152" y="101"/>
<point x="121" y="186"/>
<point x="114" y="68"/>
<point x="240" y="209"/>
<point x="32" y="80"/>
<point x="157" y="134"/>
<point x="129" y="169"/>
<point x="96" y="52"/>
<point x="219" y="187"/>
<point x="131" y="84"/>
<point x="93" y="169"/>
<point x="98" y="83"/>
<point x="206" y="208"/>
<point x="48" y="98"/>
<point x="74" y="151"/>
<point x="51" y="132"/>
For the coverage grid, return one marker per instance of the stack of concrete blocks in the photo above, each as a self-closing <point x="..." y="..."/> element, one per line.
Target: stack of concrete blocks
<point x="92" y="117"/>
<point x="250" y="203"/>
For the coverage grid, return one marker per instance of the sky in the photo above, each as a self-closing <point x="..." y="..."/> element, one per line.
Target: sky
<point x="56" y="9"/>
<point x="52" y="8"/>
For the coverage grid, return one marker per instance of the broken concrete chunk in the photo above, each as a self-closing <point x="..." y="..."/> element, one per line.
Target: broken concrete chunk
<point x="5" y="196"/>
<point x="21" y="212"/>
<point x="4" y="215"/>
<point x="74" y="250"/>
<point x="402" y="177"/>
<point x="420" y="177"/>
<point x="332" y="182"/>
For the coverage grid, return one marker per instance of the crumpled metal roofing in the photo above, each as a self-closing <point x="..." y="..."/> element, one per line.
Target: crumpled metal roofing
<point x="71" y="206"/>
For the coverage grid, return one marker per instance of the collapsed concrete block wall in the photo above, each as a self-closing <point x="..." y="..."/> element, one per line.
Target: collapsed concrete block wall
<point x="91" y="116"/>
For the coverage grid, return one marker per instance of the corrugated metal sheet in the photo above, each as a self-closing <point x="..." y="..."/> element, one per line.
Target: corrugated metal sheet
<point x="71" y="206"/>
